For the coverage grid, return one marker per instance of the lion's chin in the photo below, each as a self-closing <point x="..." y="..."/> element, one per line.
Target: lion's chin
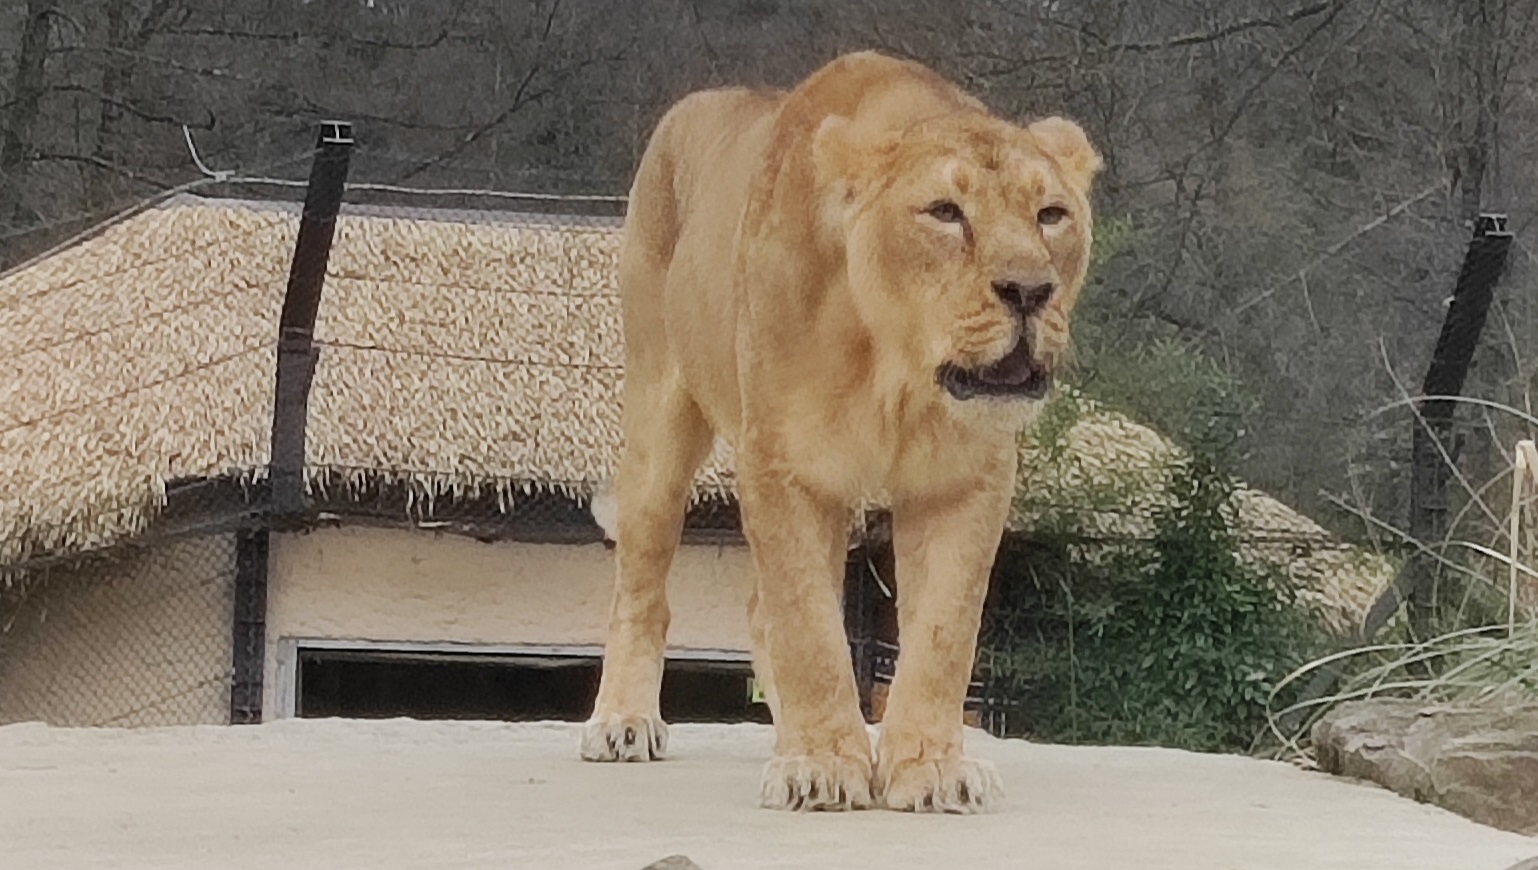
<point x="1018" y="375"/>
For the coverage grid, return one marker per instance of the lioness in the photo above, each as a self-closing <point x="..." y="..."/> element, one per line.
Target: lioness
<point x="861" y="284"/>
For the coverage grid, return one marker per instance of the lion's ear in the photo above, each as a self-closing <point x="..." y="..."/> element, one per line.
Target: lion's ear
<point x="1069" y="146"/>
<point x="840" y="159"/>
<point x="844" y="150"/>
<point x="835" y="153"/>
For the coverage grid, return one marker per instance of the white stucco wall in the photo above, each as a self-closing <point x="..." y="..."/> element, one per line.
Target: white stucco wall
<point x="389" y="585"/>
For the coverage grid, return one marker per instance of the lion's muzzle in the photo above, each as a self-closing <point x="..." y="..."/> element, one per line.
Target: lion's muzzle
<point x="1018" y="375"/>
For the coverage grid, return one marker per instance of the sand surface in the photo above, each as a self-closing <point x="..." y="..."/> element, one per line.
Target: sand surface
<point x="402" y="794"/>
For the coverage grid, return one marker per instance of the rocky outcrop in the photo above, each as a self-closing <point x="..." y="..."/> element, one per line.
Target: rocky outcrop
<point x="1478" y="761"/>
<point x="673" y="862"/>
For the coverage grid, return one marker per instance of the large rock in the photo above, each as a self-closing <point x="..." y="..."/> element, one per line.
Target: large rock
<point x="1480" y="762"/>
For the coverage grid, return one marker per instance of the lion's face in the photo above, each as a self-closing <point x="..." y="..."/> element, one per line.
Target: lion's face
<point x="967" y="240"/>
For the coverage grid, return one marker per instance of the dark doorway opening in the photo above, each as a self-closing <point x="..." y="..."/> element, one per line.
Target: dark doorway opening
<point x="372" y="684"/>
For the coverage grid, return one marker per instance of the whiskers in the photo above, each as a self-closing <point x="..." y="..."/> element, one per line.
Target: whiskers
<point x="982" y="337"/>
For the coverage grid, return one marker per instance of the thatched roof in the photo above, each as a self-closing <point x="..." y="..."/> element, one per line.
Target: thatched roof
<point x="461" y="352"/>
<point x="1103" y="478"/>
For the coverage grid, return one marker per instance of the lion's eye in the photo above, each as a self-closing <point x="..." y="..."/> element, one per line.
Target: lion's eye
<point x="946" y="211"/>
<point x="1051" y="214"/>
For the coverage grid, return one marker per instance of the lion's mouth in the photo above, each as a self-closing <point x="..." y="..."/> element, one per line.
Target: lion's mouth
<point x="1017" y="375"/>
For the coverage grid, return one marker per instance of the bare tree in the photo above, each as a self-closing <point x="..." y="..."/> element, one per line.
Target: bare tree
<point x="28" y="86"/>
<point x="1288" y="179"/>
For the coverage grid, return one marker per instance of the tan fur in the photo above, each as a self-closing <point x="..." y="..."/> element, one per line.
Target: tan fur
<point x="784" y="288"/>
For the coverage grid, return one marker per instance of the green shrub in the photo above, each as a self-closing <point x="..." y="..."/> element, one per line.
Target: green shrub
<point x="1171" y="640"/>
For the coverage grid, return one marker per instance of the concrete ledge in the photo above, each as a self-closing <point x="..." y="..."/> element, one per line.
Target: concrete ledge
<point x="403" y="794"/>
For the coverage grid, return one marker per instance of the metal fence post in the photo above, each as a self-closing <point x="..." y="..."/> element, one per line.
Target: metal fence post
<point x="250" y="627"/>
<point x="1483" y="264"/>
<point x="291" y="397"/>
<point x="296" y="328"/>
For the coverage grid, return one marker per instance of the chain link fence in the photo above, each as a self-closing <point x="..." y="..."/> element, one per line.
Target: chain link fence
<point x="157" y="627"/>
<point x="133" y="634"/>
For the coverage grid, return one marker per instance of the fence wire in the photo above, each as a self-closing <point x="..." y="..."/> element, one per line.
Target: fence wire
<point x="133" y="638"/>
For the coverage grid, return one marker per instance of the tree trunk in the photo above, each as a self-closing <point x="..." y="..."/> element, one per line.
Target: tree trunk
<point x="16" y="138"/>
<point x="1480" y="53"/>
<point x="114" y="83"/>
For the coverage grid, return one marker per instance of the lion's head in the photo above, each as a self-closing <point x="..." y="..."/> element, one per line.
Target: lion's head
<point x="967" y="239"/>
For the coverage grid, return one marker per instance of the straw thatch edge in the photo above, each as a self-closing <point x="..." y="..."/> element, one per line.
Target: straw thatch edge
<point x="522" y="219"/>
<point x="103" y="528"/>
<point x="425" y="489"/>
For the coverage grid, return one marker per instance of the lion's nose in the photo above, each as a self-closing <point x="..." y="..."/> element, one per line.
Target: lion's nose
<point x="1021" y="298"/>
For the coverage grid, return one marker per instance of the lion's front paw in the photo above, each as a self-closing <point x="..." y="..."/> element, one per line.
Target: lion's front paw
<point x="816" y="782"/>
<point x="613" y="737"/>
<point x="947" y="785"/>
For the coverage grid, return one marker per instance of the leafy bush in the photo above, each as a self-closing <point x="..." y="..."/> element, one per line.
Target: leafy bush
<point x="1172" y="640"/>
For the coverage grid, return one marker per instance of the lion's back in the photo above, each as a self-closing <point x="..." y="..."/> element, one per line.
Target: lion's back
<point x="698" y="155"/>
<point x="685" y="205"/>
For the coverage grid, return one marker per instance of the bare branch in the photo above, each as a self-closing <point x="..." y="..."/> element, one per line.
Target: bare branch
<point x="295" y="36"/>
<point x="1238" y="27"/>
<point x="178" y="66"/>
<point x="137" y="112"/>
<point x="522" y="96"/>
<point x="1336" y="248"/>
<point x="102" y="164"/>
<point x="152" y="21"/>
<point x="1010" y="65"/>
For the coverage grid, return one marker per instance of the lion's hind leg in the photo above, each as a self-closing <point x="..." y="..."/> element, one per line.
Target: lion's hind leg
<point x="666" y="440"/>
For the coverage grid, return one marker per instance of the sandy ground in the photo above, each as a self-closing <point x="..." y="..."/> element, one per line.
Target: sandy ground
<point x="399" y="794"/>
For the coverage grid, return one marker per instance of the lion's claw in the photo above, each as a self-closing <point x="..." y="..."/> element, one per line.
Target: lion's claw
<point x="816" y="782"/>
<point x="949" y="785"/>
<point x="613" y="737"/>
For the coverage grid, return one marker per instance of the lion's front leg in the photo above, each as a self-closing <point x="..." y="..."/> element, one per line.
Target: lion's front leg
<point x="945" y="550"/>
<point x="822" y="758"/>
